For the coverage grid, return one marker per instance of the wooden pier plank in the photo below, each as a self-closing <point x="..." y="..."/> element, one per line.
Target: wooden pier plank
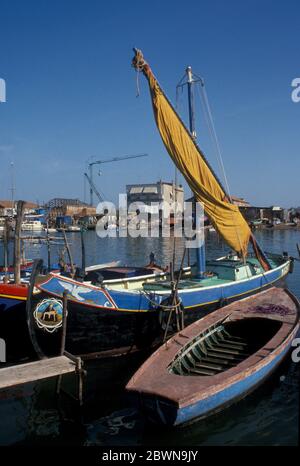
<point x="35" y="371"/>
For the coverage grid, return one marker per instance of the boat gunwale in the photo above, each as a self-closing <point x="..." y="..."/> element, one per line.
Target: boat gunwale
<point x="213" y="384"/>
<point x="141" y="292"/>
<point x="161" y="292"/>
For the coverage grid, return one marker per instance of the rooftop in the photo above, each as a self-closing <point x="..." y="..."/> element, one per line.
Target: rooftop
<point x="143" y="186"/>
<point x="7" y="204"/>
<point x="62" y="202"/>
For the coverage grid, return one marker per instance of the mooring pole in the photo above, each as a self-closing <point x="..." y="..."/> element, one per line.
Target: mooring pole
<point x="81" y="374"/>
<point x="17" y="244"/>
<point x="69" y="253"/>
<point x="5" y="249"/>
<point x="82" y="251"/>
<point x="64" y="322"/>
<point x="63" y="335"/>
<point x="48" y="247"/>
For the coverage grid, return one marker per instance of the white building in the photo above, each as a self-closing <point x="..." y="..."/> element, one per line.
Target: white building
<point x="155" y="193"/>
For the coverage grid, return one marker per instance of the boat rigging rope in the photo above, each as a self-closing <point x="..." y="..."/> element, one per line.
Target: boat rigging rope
<point x="139" y="65"/>
<point x="162" y="307"/>
<point x="211" y="127"/>
<point x="138" y="83"/>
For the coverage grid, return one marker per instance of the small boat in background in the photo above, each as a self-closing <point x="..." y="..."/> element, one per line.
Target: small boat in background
<point x="50" y="230"/>
<point x="32" y="225"/>
<point x="217" y="360"/>
<point x="25" y="265"/>
<point x="73" y="228"/>
<point x="69" y="229"/>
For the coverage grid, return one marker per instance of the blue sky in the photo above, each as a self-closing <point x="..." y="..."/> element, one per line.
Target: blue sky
<point x="71" y="92"/>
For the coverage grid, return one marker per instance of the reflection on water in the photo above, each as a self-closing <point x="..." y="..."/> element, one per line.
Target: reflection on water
<point x="269" y="416"/>
<point x="130" y="251"/>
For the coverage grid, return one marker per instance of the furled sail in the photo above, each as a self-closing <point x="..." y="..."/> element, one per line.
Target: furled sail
<point x="187" y="156"/>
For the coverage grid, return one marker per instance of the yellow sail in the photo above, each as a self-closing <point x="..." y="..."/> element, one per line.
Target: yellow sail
<point x="225" y="217"/>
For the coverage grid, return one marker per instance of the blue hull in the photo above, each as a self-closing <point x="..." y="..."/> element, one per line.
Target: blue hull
<point x="196" y="298"/>
<point x="165" y="412"/>
<point x="136" y="301"/>
<point x="101" y="319"/>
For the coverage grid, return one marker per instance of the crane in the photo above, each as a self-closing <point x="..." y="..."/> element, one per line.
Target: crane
<point x="98" y="162"/>
<point x="93" y="187"/>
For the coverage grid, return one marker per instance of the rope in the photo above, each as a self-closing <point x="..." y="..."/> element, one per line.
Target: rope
<point x="161" y="306"/>
<point x="212" y="130"/>
<point x="211" y="127"/>
<point x="138" y="61"/>
<point x="137" y="83"/>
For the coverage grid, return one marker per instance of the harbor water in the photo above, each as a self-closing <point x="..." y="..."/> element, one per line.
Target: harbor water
<point x="269" y="416"/>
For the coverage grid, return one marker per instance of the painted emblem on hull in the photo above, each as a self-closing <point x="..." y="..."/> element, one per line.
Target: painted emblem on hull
<point x="75" y="290"/>
<point x="82" y="293"/>
<point x="48" y="314"/>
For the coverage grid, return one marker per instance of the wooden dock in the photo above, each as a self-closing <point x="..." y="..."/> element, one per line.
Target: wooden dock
<point x="35" y="371"/>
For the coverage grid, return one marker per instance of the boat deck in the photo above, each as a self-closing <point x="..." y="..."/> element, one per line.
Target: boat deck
<point x="220" y="272"/>
<point x="183" y="284"/>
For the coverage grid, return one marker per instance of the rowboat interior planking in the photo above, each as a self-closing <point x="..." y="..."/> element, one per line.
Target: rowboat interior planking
<point x="217" y="360"/>
<point x="224" y="346"/>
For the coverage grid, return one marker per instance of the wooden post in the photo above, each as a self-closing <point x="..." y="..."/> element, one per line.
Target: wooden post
<point x="63" y="336"/>
<point x="80" y="373"/>
<point x="82" y="251"/>
<point x="69" y="253"/>
<point x="17" y="246"/>
<point x="64" y="322"/>
<point x="298" y="249"/>
<point x="22" y="245"/>
<point x="48" y="247"/>
<point x="5" y="249"/>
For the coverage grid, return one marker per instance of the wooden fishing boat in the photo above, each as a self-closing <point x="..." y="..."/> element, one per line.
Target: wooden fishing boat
<point x="83" y="337"/>
<point x="11" y="295"/>
<point x="217" y="360"/>
<point x="125" y="312"/>
<point x="123" y="308"/>
<point x="13" y="324"/>
<point x="25" y="265"/>
<point x="32" y="225"/>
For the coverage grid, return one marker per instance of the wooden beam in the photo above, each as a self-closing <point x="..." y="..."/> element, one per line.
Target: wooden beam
<point x="35" y="371"/>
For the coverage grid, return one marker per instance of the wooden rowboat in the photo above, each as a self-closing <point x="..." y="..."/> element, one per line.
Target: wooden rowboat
<point x="218" y="359"/>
